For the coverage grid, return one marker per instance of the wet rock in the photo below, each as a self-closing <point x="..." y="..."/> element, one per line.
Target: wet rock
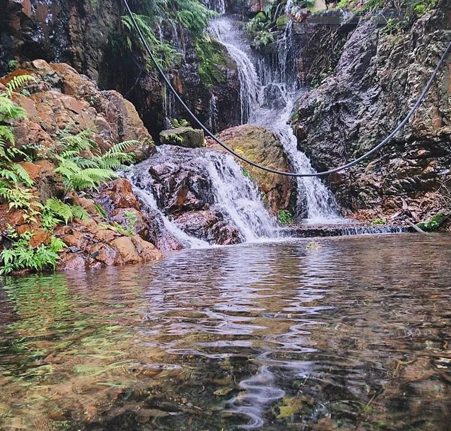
<point x="183" y="189"/>
<point x="93" y="245"/>
<point x="183" y="137"/>
<point x="264" y="147"/>
<point x="209" y="225"/>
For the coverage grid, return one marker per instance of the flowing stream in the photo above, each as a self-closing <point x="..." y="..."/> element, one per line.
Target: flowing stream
<point x="271" y="337"/>
<point x="268" y="94"/>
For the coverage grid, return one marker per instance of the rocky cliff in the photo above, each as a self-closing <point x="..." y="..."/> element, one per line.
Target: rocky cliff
<point x="90" y="36"/>
<point x="367" y="79"/>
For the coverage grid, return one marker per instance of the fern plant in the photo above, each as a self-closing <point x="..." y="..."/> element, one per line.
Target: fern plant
<point x="56" y="211"/>
<point x="81" y="173"/>
<point x="17" y="83"/>
<point x="166" y="55"/>
<point x="21" y="255"/>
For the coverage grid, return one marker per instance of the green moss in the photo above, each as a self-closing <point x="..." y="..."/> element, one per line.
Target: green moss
<point x="285" y="217"/>
<point x="379" y="222"/>
<point x="433" y="223"/>
<point x="282" y="21"/>
<point x="211" y="55"/>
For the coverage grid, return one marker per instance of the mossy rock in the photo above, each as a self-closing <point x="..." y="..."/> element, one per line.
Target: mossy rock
<point x="282" y="21"/>
<point x="262" y="146"/>
<point x="183" y="137"/>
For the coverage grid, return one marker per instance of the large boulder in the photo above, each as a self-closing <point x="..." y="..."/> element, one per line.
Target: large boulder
<point x="262" y="146"/>
<point x="183" y="137"/>
<point x="63" y="101"/>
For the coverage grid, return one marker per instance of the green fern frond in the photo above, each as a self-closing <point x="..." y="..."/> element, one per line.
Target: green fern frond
<point x="17" y="82"/>
<point x="22" y="174"/>
<point x="59" y="209"/>
<point x="80" y="213"/>
<point x="79" y="142"/>
<point x="9" y="111"/>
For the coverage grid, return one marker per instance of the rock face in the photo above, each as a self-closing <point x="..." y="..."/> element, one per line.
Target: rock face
<point x="89" y="36"/>
<point x="377" y="79"/>
<point x="62" y="102"/>
<point x="263" y="146"/>
<point x="186" y="137"/>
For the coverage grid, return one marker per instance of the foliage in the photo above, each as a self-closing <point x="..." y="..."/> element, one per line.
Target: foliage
<point x="175" y="123"/>
<point x="433" y="223"/>
<point x="84" y="172"/>
<point x="13" y="64"/>
<point x="55" y="211"/>
<point x="12" y="174"/>
<point x="131" y="220"/>
<point x="21" y="255"/>
<point x="165" y="54"/>
<point x="379" y="222"/>
<point x="16" y="83"/>
<point x="285" y="217"/>
<point x="263" y="39"/>
<point x="191" y="16"/>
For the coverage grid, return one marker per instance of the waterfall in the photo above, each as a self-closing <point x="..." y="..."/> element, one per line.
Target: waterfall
<point x="228" y="191"/>
<point x="172" y="230"/>
<point x="238" y="197"/>
<point x="268" y="98"/>
<point x="250" y="86"/>
<point x="216" y="5"/>
<point x="213" y="114"/>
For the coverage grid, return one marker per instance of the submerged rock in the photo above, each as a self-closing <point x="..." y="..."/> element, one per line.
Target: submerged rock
<point x="183" y="137"/>
<point x="262" y="146"/>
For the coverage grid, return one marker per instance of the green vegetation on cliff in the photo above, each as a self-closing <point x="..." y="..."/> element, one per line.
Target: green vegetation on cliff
<point x="152" y="19"/>
<point x="80" y="165"/>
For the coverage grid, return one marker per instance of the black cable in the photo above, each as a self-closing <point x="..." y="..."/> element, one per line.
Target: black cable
<point x="274" y="171"/>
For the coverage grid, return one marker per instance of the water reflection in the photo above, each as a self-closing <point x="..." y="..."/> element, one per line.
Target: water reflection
<point x="353" y="336"/>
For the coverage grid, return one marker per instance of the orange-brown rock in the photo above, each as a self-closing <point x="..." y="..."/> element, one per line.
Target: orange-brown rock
<point x="62" y="101"/>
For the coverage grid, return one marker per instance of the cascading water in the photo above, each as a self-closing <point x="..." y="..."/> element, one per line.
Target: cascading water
<point x="268" y="98"/>
<point x="238" y="197"/>
<point x="228" y="191"/>
<point x="225" y="32"/>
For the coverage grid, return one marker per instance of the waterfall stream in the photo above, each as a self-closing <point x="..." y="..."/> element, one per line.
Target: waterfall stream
<point x="213" y="180"/>
<point x="267" y="99"/>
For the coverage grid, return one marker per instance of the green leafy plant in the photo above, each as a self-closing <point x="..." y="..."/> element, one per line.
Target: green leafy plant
<point x="433" y="223"/>
<point x="175" y="123"/>
<point x="285" y="217"/>
<point x="131" y="220"/>
<point x="21" y="255"/>
<point x="379" y="222"/>
<point x="165" y="54"/>
<point x="84" y="172"/>
<point x="55" y="211"/>
<point x="13" y="64"/>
